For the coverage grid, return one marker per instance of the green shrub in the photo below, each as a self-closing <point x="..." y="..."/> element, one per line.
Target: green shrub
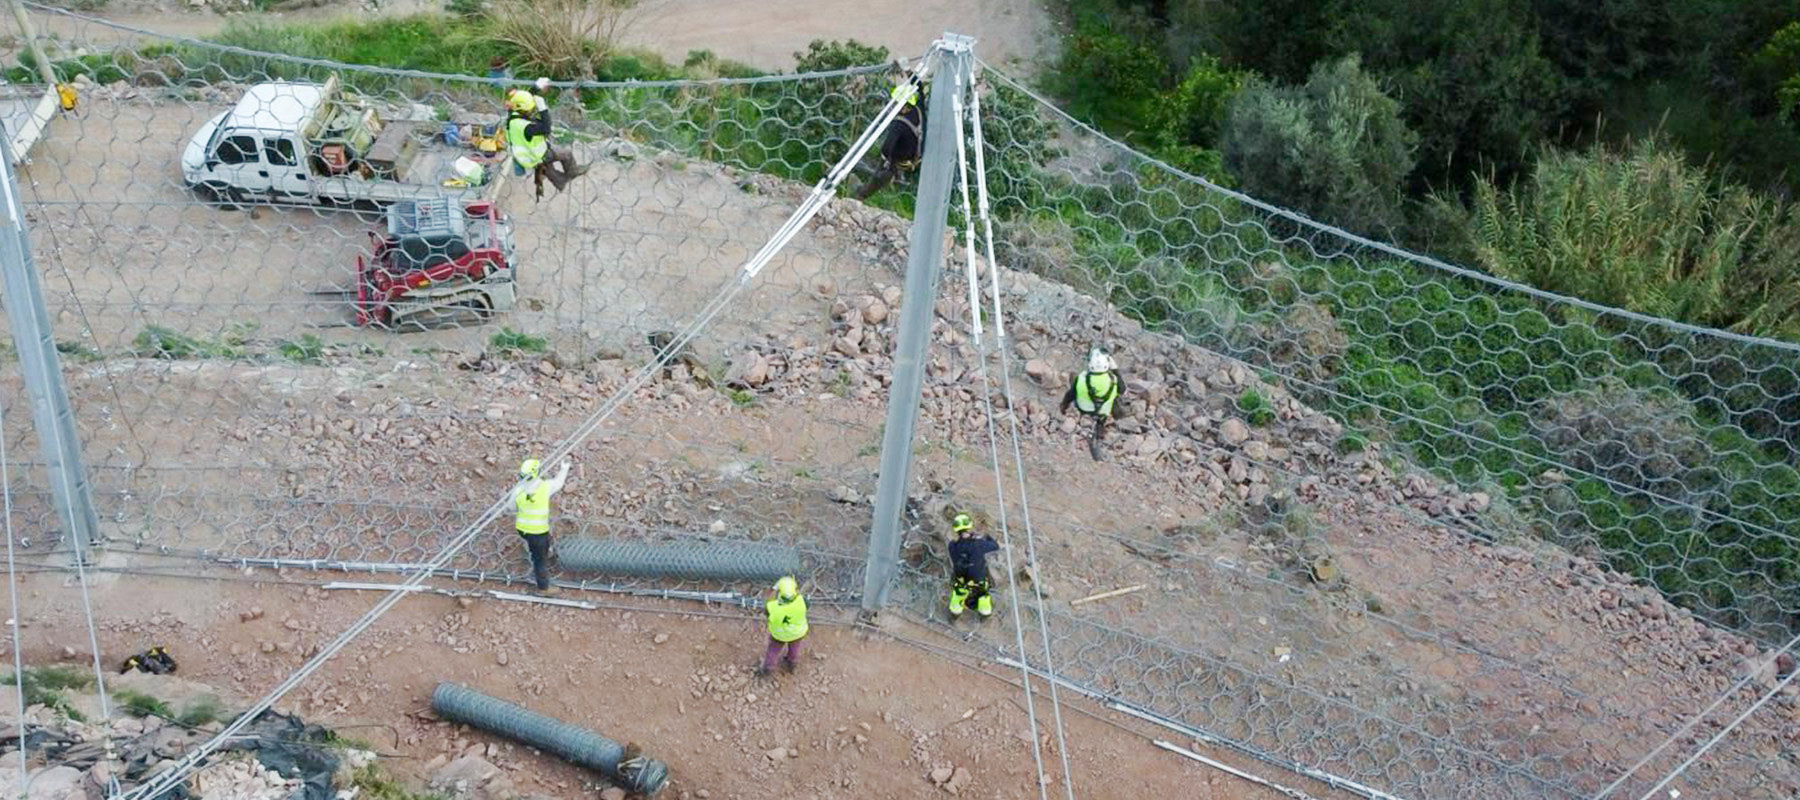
<point x="1776" y="66"/>
<point x="1643" y="230"/>
<point x="1111" y="80"/>
<point x="1335" y="148"/>
<point x="1256" y="408"/>
<point x="825" y="56"/>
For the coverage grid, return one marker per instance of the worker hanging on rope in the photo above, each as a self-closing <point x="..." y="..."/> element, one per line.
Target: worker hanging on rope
<point x="528" y="138"/>
<point x="905" y="142"/>
<point x="1095" y="393"/>
<point x="787" y="625"/>
<point x="532" y="497"/>
<point x="968" y="568"/>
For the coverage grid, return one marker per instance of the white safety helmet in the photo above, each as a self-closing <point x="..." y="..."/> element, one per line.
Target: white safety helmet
<point x="1099" y="361"/>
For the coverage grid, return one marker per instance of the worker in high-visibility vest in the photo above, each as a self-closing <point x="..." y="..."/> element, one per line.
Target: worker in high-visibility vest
<point x="787" y="625"/>
<point x="528" y="139"/>
<point x="969" y="583"/>
<point x="905" y="142"/>
<point x="532" y="519"/>
<point x="1095" y="393"/>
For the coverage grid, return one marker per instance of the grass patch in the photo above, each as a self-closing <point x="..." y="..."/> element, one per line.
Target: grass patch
<point x="156" y="341"/>
<point x="77" y="351"/>
<point x="201" y="710"/>
<point x="44" y="686"/>
<point x="139" y="704"/>
<point x="840" y="384"/>
<point x="513" y="342"/>
<point x="741" y="398"/>
<point x="374" y="783"/>
<point x="1256" y="408"/>
<point x="305" y="350"/>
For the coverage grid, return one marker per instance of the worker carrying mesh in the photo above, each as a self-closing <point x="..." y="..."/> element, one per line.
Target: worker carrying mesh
<point x="1095" y="393"/>
<point x="905" y="142"/>
<point x="528" y="139"/>
<point x="969" y="583"/>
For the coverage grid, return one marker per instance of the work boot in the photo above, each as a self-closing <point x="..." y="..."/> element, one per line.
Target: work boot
<point x="1094" y="449"/>
<point x="985" y="606"/>
<point x="788" y="665"/>
<point x="551" y="591"/>
<point x="958" y="598"/>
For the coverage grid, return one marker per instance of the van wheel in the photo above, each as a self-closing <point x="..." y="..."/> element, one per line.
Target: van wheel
<point x="224" y="196"/>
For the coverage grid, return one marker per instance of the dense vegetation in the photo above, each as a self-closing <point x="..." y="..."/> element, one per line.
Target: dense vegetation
<point x="1633" y="153"/>
<point x="1473" y="97"/>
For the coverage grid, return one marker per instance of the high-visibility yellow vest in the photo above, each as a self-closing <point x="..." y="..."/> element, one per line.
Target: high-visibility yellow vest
<point x="528" y="151"/>
<point x="787" y="618"/>
<point x="1095" y="393"/>
<point x="534" y="510"/>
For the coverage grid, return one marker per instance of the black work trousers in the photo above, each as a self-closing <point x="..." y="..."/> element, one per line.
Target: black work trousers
<point x="538" y="545"/>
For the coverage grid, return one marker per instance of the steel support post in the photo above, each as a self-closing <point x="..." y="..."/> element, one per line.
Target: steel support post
<point x="950" y="74"/>
<point x="42" y="371"/>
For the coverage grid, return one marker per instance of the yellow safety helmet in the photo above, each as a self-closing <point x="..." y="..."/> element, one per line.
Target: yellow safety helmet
<point x="529" y="469"/>
<point x="960" y="523"/>
<point x="786" y="587"/>
<point x="521" y="101"/>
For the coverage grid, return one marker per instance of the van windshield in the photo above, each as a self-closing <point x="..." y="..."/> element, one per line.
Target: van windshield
<point x="218" y="132"/>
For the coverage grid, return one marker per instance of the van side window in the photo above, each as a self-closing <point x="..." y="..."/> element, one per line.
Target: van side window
<point x="280" y="152"/>
<point x="238" y="150"/>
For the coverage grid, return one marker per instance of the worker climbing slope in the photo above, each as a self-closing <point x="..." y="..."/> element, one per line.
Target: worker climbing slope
<point x="787" y="625"/>
<point x="528" y="132"/>
<point x="905" y="142"/>
<point x="1095" y="393"/>
<point x="968" y="568"/>
<point x="532" y="498"/>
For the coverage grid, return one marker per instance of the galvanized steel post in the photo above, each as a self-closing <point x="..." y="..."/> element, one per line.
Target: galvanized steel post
<point x="954" y="63"/>
<point x="42" y="370"/>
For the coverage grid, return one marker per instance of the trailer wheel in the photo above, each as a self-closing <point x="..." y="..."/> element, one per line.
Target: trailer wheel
<point x="482" y="307"/>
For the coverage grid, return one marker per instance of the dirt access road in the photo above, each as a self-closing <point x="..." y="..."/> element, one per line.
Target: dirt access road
<point x="1012" y="34"/>
<point x="863" y="717"/>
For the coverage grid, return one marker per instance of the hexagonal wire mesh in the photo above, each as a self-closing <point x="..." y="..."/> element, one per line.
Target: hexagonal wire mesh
<point x="1438" y="534"/>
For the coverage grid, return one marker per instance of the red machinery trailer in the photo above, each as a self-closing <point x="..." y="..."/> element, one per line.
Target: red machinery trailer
<point x="436" y="259"/>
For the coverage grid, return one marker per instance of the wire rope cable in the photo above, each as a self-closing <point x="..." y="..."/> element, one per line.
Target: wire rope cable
<point x="1695" y="720"/>
<point x="1018" y="455"/>
<point x="987" y="396"/>
<point x="12" y="589"/>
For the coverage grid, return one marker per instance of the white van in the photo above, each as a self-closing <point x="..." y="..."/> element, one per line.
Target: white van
<point x="313" y="143"/>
